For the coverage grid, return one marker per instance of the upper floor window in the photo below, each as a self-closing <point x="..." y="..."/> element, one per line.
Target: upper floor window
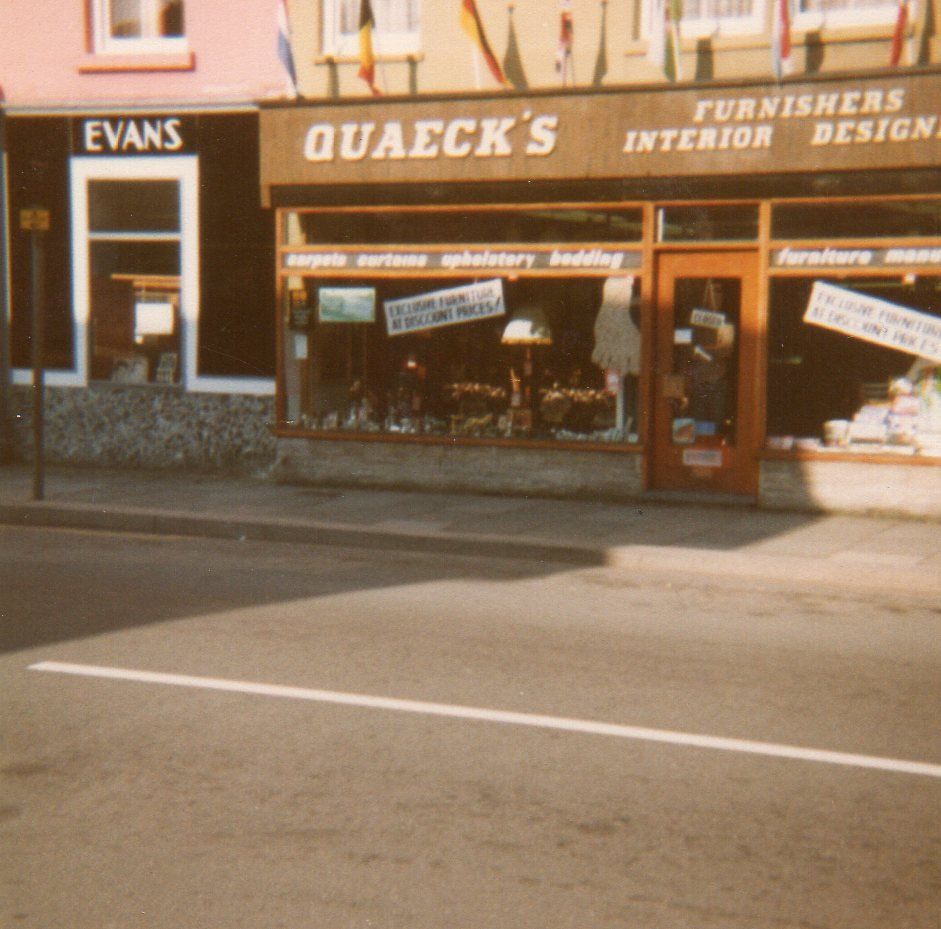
<point x="397" y="26"/>
<point x="815" y="13"/>
<point x="138" y="26"/>
<point x="702" y="18"/>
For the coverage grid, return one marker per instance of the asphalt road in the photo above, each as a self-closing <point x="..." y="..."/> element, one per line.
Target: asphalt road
<point x="127" y="803"/>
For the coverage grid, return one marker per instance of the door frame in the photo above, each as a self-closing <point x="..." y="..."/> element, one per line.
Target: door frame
<point x="706" y="466"/>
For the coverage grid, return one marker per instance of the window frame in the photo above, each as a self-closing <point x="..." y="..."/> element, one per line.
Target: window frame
<point x="883" y="14"/>
<point x="103" y="43"/>
<point x="184" y="170"/>
<point x="716" y="26"/>
<point x="384" y="43"/>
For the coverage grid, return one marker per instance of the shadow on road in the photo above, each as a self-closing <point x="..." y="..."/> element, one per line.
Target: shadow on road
<point x="61" y="585"/>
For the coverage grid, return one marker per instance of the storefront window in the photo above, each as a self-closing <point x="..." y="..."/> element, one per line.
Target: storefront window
<point x="414" y="227"/>
<point x="884" y="219"/>
<point x="135" y="285"/>
<point x="471" y="357"/>
<point x="700" y="223"/>
<point x="837" y="378"/>
<point x="134" y="261"/>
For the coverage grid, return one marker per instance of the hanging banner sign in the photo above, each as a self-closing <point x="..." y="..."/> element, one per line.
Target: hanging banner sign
<point x="874" y="320"/>
<point x="445" y="308"/>
<point x="568" y="260"/>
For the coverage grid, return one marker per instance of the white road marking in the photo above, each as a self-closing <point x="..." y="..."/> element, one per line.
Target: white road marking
<point x="589" y="727"/>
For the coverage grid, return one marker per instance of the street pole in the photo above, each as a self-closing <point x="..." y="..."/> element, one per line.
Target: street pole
<point x="6" y="390"/>
<point x="36" y="222"/>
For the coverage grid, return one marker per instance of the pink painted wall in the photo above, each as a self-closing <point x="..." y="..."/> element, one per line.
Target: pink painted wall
<point x="234" y="43"/>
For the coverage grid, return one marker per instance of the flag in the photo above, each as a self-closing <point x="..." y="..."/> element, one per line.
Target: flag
<point x="513" y="69"/>
<point x="563" y="55"/>
<point x="898" y="35"/>
<point x="664" y="43"/>
<point x="367" y="60"/>
<point x="285" y="52"/>
<point x="781" y="60"/>
<point x="471" y="24"/>
<point x="601" y="61"/>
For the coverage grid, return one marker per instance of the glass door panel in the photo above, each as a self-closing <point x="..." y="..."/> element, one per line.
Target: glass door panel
<point x="706" y="365"/>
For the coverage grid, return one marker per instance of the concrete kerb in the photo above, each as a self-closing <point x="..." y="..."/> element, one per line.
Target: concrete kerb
<point x="674" y="560"/>
<point x="83" y="516"/>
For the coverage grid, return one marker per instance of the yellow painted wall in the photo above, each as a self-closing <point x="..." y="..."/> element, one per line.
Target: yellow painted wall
<point x="607" y="32"/>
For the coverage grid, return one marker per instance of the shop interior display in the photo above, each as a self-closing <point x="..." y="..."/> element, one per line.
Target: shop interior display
<point x="526" y="372"/>
<point x="830" y="392"/>
<point x="617" y="342"/>
<point x="135" y="329"/>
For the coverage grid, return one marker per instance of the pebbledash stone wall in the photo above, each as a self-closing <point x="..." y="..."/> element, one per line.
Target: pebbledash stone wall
<point x="460" y="468"/>
<point x="852" y="487"/>
<point x="150" y="427"/>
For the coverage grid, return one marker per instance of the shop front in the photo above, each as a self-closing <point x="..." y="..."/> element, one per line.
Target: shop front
<point x="731" y="292"/>
<point x="159" y="346"/>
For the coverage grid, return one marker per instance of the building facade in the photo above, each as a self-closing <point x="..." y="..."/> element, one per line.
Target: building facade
<point x="135" y="127"/>
<point x="587" y="256"/>
<point x="590" y="248"/>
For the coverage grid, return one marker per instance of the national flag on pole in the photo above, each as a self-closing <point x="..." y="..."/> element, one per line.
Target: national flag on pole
<point x="513" y="69"/>
<point x="601" y="60"/>
<point x="663" y="48"/>
<point x="898" y="35"/>
<point x="367" y="60"/>
<point x="471" y="24"/>
<point x="563" y="55"/>
<point x="285" y="51"/>
<point x="781" y="61"/>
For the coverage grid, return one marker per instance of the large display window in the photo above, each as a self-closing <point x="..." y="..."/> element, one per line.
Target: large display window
<point x="134" y="260"/>
<point x="854" y="366"/>
<point x="854" y="327"/>
<point x="135" y="283"/>
<point x="508" y="332"/>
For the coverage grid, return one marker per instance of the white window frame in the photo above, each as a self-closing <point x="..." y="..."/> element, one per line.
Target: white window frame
<point x="882" y="15"/>
<point x="384" y="43"/>
<point x="706" y="27"/>
<point x="106" y="44"/>
<point x="184" y="169"/>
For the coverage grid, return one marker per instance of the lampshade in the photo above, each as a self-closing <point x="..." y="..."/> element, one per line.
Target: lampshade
<point x="527" y="327"/>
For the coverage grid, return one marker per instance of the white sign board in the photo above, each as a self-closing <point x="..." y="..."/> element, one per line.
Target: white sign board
<point x="152" y="319"/>
<point x="875" y="320"/>
<point x="707" y="319"/>
<point x="702" y="457"/>
<point x="445" y="307"/>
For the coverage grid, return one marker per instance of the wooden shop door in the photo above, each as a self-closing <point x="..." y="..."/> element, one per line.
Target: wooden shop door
<point x="706" y="393"/>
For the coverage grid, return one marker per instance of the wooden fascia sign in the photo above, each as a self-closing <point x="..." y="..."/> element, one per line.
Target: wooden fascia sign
<point x="862" y="124"/>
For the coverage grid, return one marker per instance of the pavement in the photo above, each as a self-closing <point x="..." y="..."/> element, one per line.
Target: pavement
<point x="854" y="553"/>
